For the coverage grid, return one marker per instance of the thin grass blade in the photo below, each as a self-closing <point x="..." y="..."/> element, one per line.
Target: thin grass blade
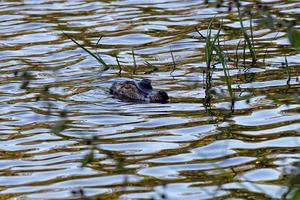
<point x="96" y="56"/>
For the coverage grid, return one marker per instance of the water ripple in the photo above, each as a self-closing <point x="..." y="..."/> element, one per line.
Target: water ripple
<point x="183" y="149"/>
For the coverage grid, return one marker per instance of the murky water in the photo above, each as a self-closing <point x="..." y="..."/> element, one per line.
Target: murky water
<point x="177" y="149"/>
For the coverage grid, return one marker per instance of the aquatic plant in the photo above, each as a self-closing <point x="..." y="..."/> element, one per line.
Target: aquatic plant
<point x="288" y="70"/>
<point x="226" y="71"/>
<point x="119" y="65"/>
<point x="214" y="51"/>
<point x="248" y="39"/>
<point x="236" y="61"/>
<point x="173" y="60"/>
<point x="44" y="95"/>
<point x="293" y="183"/>
<point x="134" y="61"/>
<point x="62" y="124"/>
<point x="94" y="55"/>
<point x="275" y="23"/>
<point x="26" y="77"/>
<point x="209" y="47"/>
<point x="152" y="67"/>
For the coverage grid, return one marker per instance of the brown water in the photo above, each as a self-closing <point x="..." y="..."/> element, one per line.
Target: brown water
<point x="177" y="149"/>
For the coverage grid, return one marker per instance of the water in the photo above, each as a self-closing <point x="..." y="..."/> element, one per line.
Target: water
<point x="177" y="149"/>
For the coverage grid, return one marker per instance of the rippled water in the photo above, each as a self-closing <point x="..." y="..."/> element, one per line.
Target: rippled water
<point x="177" y="149"/>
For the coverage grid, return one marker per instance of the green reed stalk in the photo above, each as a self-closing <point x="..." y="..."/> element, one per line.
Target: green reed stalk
<point x="208" y="59"/>
<point x="119" y="65"/>
<point x="236" y="54"/>
<point x="288" y="69"/>
<point x="134" y="62"/>
<point x="152" y="67"/>
<point x="220" y="54"/>
<point x="213" y="45"/>
<point x="244" y="54"/>
<point x="209" y="49"/>
<point x="95" y="55"/>
<point x="173" y="59"/>
<point x="249" y="42"/>
<point x="251" y="33"/>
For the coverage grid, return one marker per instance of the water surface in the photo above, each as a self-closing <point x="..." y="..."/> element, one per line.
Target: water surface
<point x="179" y="149"/>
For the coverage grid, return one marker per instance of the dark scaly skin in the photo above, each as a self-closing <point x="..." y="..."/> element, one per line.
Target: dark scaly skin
<point x="138" y="91"/>
<point x="127" y="90"/>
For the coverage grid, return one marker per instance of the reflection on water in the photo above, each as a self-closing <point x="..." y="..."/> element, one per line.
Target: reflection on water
<point x="176" y="149"/>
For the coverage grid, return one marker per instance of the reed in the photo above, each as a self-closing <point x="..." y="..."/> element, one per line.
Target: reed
<point x="248" y="39"/>
<point x="119" y="65"/>
<point x="174" y="63"/>
<point x="152" y="67"/>
<point x="288" y="70"/>
<point x="212" y="45"/>
<point x="236" y="55"/>
<point x="222" y="60"/>
<point x="95" y="55"/>
<point x="134" y="61"/>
